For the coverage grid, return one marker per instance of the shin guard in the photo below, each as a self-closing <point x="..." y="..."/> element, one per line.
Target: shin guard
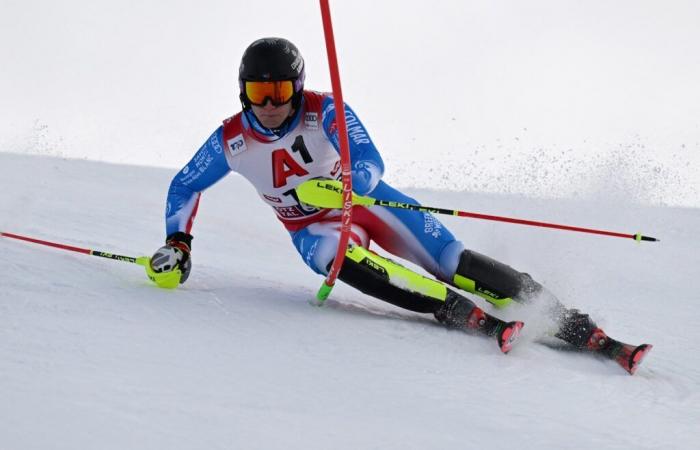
<point x="496" y="282"/>
<point x="389" y="281"/>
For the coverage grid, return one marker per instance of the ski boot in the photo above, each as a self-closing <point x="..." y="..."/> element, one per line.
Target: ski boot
<point x="626" y="355"/>
<point x="389" y="281"/>
<point x="458" y="312"/>
<point x="580" y="331"/>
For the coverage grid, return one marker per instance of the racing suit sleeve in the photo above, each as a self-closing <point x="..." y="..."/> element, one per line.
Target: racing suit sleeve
<point x="367" y="164"/>
<point x="208" y="166"/>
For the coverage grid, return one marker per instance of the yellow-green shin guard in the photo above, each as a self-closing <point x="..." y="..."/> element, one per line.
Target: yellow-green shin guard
<point x="389" y="281"/>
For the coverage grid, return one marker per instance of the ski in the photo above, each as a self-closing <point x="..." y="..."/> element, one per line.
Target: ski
<point x="508" y="335"/>
<point x="629" y="356"/>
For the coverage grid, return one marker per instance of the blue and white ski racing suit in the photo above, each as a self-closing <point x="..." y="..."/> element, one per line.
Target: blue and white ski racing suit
<point x="308" y="148"/>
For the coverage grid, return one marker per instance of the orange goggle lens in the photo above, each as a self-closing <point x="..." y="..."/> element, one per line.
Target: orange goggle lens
<point x="279" y="92"/>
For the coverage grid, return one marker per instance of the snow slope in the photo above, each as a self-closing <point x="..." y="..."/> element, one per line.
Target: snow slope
<point x="505" y="87"/>
<point x="94" y="356"/>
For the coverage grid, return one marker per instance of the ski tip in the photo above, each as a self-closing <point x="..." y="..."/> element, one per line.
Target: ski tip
<point x="509" y="335"/>
<point x="637" y="356"/>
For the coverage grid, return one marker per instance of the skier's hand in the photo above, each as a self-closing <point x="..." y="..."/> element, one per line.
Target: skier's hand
<point x="171" y="264"/>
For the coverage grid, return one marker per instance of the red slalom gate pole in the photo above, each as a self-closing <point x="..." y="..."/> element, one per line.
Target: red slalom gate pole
<point x="346" y="223"/>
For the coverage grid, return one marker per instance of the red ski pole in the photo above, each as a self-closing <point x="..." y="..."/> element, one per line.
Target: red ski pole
<point x="326" y="194"/>
<point x="142" y="260"/>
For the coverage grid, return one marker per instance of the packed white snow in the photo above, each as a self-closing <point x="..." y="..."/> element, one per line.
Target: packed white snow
<point x="92" y="355"/>
<point x="582" y="113"/>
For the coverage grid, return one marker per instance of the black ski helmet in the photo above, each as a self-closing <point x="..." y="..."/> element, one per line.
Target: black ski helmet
<point x="272" y="59"/>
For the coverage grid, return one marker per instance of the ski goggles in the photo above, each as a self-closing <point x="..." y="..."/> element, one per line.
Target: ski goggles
<point x="278" y="92"/>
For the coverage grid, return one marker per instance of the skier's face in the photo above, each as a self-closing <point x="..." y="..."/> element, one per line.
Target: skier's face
<point x="271" y="116"/>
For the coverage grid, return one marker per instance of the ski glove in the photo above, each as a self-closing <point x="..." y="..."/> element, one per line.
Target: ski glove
<point x="171" y="264"/>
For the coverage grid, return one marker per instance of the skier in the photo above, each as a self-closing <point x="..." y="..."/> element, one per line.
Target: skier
<point x="285" y="135"/>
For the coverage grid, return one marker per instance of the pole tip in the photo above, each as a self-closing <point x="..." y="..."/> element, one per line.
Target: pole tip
<point x="638" y="237"/>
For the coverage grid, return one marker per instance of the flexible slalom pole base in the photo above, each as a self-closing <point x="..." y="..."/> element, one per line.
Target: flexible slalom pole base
<point x="323" y="293"/>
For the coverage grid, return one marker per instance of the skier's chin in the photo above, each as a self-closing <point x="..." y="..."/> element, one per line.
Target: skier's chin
<point x="272" y="117"/>
<point x="272" y="121"/>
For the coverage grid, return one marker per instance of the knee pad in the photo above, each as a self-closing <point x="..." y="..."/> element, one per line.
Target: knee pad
<point x="389" y="281"/>
<point x="496" y="282"/>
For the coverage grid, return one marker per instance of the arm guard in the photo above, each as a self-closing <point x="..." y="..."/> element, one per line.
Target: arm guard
<point x="367" y="164"/>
